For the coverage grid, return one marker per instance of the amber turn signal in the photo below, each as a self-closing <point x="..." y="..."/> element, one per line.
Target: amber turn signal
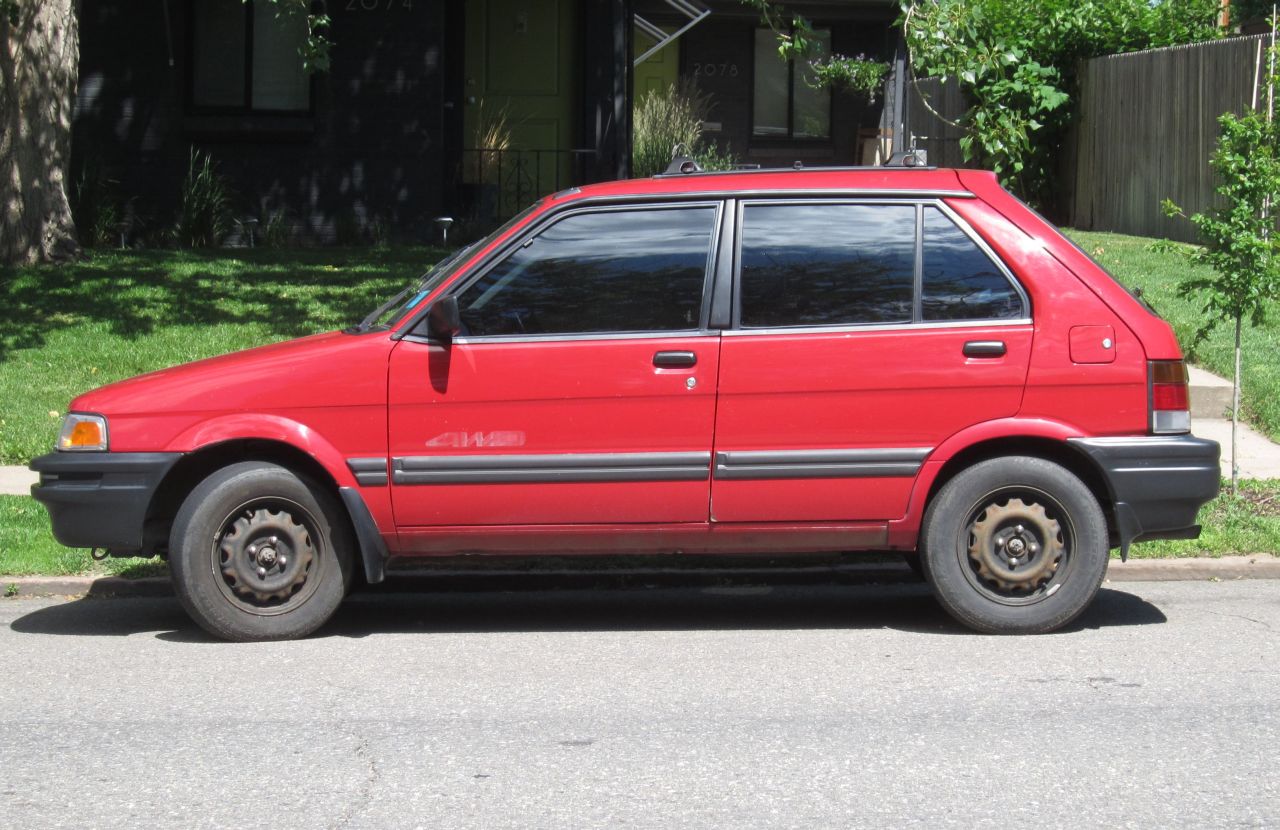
<point x="84" y="433"/>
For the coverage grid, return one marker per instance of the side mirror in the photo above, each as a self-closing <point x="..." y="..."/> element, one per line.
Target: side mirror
<point x="443" y="320"/>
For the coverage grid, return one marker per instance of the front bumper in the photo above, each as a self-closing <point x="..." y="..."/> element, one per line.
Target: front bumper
<point x="100" y="499"/>
<point x="1158" y="483"/>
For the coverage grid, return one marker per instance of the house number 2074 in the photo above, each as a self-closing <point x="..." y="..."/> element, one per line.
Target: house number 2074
<point x="375" y="5"/>
<point x="716" y="70"/>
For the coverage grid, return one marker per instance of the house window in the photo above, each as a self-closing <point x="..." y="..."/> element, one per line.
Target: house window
<point x="784" y="103"/>
<point x="245" y="57"/>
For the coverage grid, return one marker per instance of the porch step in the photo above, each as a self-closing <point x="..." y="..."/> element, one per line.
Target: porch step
<point x="1210" y="394"/>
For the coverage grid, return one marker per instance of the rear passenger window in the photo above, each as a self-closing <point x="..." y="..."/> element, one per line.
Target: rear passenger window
<point x="609" y="271"/>
<point x="827" y="264"/>
<point x="960" y="282"/>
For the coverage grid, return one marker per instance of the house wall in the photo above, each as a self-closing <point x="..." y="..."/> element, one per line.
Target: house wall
<point x="718" y="54"/>
<point x="372" y="150"/>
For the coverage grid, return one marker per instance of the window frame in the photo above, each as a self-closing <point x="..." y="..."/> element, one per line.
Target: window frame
<point x="917" y="321"/>
<point x="714" y="253"/>
<point x="790" y="138"/>
<point x="247" y="109"/>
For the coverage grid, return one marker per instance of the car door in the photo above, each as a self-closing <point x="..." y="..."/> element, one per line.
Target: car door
<point x="865" y="333"/>
<point x="581" y="388"/>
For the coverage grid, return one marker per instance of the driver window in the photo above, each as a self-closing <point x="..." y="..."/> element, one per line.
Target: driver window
<point x="611" y="271"/>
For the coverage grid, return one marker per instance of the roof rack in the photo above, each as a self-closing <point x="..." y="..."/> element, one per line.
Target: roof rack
<point x="687" y="166"/>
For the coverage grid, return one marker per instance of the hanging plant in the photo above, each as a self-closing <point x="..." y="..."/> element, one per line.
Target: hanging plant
<point x="859" y="74"/>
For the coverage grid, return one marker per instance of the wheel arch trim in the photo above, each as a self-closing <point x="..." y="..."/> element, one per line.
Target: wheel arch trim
<point x="274" y="428"/>
<point x="1012" y="436"/>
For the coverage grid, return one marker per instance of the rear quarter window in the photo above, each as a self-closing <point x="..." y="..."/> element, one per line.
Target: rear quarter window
<point x="959" y="281"/>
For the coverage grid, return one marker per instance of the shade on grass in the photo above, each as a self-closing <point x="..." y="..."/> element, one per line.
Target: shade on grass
<point x="65" y="329"/>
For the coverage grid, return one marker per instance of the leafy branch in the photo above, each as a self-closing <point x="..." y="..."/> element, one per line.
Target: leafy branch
<point x="797" y="41"/>
<point x="1239" y="231"/>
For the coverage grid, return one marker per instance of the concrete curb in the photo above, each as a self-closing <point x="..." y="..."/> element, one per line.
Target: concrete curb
<point x="1256" y="566"/>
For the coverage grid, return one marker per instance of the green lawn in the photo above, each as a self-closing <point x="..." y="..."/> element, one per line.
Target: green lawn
<point x="65" y="329"/>
<point x="1139" y="262"/>
<point x="1247" y="524"/>
<point x="27" y="547"/>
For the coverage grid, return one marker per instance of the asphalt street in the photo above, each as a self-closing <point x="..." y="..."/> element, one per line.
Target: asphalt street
<point x="783" y="706"/>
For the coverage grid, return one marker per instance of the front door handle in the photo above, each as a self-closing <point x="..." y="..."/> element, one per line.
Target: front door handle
<point x="984" y="348"/>
<point x="668" y="360"/>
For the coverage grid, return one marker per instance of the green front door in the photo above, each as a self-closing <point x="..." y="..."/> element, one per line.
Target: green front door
<point x="522" y="68"/>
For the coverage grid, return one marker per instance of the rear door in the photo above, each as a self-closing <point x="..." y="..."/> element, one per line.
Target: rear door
<point x="864" y="334"/>
<point x="582" y="387"/>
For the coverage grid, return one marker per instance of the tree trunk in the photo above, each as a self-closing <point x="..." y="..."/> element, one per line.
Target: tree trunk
<point x="39" y="69"/>
<point x="1235" y="416"/>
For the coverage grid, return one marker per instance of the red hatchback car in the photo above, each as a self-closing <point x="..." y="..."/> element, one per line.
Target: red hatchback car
<point x="765" y="361"/>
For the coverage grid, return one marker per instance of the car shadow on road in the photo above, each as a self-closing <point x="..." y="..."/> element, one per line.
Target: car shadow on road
<point x="904" y="607"/>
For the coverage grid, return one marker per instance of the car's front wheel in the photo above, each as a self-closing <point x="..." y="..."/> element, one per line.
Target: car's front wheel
<point x="258" y="552"/>
<point x="1015" y="545"/>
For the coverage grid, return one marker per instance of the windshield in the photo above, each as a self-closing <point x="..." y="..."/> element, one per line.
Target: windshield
<point x="395" y="309"/>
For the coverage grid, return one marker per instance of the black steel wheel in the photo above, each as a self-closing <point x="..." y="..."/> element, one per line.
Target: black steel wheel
<point x="260" y="553"/>
<point x="1015" y="545"/>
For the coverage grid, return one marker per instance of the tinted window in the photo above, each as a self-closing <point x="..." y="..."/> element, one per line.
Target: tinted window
<point x="817" y="265"/>
<point x="960" y="280"/>
<point x="633" y="270"/>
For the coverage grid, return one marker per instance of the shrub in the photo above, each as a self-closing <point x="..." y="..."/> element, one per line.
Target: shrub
<point x="95" y="206"/>
<point x="665" y="120"/>
<point x="205" y="215"/>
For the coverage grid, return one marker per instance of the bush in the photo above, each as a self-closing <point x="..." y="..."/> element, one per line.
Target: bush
<point x="95" y="206"/>
<point x="205" y="215"/>
<point x="665" y="120"/>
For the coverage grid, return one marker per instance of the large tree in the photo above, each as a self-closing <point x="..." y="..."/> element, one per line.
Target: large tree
<point x="39" y="69"/>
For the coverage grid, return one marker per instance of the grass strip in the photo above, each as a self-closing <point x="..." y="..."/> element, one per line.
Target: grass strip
<point x="1157" y="267"/>
<point x="66" y="329"/>
<point x="27" y="547"/>
<point x="1241" y="525"/>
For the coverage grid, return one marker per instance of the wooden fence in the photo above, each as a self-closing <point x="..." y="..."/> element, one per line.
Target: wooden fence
<point x="926" y="129"/>
<point x="1147" y="127"/>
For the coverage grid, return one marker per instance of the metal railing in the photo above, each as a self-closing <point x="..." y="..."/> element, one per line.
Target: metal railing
<point x="496" y="184"/>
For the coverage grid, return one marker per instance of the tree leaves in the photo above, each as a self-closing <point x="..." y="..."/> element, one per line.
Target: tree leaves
<point x="1015" y="60"/>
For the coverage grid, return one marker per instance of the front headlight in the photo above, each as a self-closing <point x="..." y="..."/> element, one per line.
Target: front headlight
<point x="83" y="433"/>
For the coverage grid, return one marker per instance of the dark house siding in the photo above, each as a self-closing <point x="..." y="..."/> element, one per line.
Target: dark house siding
<point x="718" y="55"/>
<point x="370" y="151"/>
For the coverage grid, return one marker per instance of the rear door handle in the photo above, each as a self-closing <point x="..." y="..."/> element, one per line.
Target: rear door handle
<point x="669" y="360"/>
<point x="984" y="348"/>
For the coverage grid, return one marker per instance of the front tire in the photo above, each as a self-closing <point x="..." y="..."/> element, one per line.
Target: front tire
<point x="258" y="552"/>
<point x="1015" y="545"/>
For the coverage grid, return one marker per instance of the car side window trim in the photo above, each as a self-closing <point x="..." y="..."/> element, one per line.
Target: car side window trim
<point x="463" y="283"/>
<point x="917" y="320"/>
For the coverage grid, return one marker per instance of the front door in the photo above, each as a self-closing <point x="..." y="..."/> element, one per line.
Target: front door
<point x="521" y="94"/>
<point x="581" y="389"/>
<point x="865" y="335"/>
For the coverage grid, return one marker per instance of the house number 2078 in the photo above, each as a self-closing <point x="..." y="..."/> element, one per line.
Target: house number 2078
<point x="375" y="5"/>
<point x="716" y="70"/>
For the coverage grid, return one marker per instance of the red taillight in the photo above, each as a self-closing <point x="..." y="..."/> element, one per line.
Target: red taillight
<point x="1170" y="398"/>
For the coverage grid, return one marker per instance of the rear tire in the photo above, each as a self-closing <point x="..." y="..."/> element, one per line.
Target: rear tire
<point x="1015" y="545"/>
<point x="258" y="552"/>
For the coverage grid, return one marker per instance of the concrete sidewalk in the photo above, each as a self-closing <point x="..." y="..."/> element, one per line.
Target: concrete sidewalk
<point x="16" y="481"/>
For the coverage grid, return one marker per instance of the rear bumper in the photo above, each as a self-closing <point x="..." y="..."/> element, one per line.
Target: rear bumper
<point x="100" y="500"/>
<point x="1157" y="483"/>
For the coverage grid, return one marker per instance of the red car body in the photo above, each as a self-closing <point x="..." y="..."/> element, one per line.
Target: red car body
<point x="815" y="438"/>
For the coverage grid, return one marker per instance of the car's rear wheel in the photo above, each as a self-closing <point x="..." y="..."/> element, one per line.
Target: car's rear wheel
<point x="1015" y="545"/>
<point x="258" y="552"/>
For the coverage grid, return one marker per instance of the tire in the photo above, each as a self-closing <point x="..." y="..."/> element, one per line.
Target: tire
<point x="1014" y="545"/>
<point x="258" y="552"/>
